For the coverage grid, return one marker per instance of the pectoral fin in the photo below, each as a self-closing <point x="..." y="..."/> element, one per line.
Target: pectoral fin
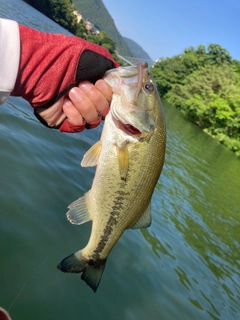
<point x="90" y="159"/>
<point x="145" y="220"/>
<point x="123" y="159"/>
<point x="78" y="213"/>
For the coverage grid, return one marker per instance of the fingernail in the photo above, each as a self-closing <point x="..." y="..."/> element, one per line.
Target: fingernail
<point x="86" y="86"/>
<point x="102" y="86"/>
<point x="105" y="86"/>
<point x="75" y="94"/>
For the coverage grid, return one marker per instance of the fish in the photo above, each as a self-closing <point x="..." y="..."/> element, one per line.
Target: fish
<point x="129" y="158"/>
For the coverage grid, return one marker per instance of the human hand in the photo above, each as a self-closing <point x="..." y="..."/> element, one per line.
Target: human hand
<point x="50" y="70"/>
<point x="82" y="107"/>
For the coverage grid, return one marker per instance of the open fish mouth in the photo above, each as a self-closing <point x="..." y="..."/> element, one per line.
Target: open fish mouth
<point x="131" y="129"/>
<point x="128" y="128"/>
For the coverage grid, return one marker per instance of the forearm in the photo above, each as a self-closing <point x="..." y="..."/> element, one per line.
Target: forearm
<point x="9" y="57"/>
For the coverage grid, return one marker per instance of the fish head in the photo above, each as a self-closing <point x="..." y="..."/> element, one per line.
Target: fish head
<point x="135" y="105"/>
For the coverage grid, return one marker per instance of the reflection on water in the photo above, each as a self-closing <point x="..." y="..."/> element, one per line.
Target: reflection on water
<point x="157" y="246"/>
<point x="198" y="220"/>
<point x="185" y="266"/>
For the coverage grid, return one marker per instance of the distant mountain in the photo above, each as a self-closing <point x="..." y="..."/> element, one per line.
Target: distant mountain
<point x="96" y="12"/>
<point x="136" y="49"/>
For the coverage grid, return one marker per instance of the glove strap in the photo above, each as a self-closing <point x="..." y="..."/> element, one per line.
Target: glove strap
<point x="66" y="126"/>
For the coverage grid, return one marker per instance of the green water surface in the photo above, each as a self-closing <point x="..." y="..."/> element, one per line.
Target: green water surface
<point x="185" y="266"/>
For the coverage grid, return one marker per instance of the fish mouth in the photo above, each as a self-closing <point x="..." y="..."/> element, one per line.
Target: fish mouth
<point x="131" y="130"/>
<point x="128" y="129"/>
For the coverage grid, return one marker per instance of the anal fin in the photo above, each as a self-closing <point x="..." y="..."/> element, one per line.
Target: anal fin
<point x="145" y="220"/>
<point x="78" y="213"/>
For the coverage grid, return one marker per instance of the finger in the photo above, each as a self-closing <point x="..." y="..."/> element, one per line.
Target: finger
<point x="54" y="114"/>
<point x="83" y="104"/>
<point x="106" y="90"/>
<point x="95" y="95"/>
<point x="71" y="112"/>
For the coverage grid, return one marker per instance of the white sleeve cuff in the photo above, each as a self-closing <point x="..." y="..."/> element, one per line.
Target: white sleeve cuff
<point x="9" y="56"/>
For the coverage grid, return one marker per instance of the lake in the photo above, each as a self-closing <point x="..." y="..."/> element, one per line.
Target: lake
<point x="185" y="266"/>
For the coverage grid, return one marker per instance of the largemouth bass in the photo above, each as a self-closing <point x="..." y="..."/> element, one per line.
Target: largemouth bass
<point x="129" y="159"/>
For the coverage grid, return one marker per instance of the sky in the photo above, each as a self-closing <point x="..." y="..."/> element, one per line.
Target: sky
<point x="165" y="28"/>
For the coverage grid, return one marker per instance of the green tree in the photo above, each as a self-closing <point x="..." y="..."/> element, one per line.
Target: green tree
<point x="210" y="97"/>
<point x="171" y="71"/>
<point x="205" y="85"/>
<point x="80" y="29"/>
<point x="62" y="13"/>
<point x="168" y="72"/>
<point x="236" y="66"/>
<point x="218" y="55"/>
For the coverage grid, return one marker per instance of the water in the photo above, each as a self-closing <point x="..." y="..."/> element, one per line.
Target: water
<point x="185" y="266"/>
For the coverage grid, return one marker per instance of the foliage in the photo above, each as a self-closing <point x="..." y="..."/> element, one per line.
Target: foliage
<point x="80" y="30"/>
<point x="61" y="11"/>
<point x="205" y="86"/>
<point x="236" y="66"/>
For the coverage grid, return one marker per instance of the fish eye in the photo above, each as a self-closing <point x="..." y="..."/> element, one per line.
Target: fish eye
<point x="148" y="87"/>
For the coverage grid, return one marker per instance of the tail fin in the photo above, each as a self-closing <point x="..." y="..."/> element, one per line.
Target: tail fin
<point x="91" y="270"/>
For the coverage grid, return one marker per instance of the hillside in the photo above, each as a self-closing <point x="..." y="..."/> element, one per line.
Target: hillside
<point x="96" y="12"/>
<point x="136" y="49"/>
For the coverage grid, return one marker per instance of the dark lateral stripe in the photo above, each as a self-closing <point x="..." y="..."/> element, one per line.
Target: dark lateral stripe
<point x="112" y="222"/>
